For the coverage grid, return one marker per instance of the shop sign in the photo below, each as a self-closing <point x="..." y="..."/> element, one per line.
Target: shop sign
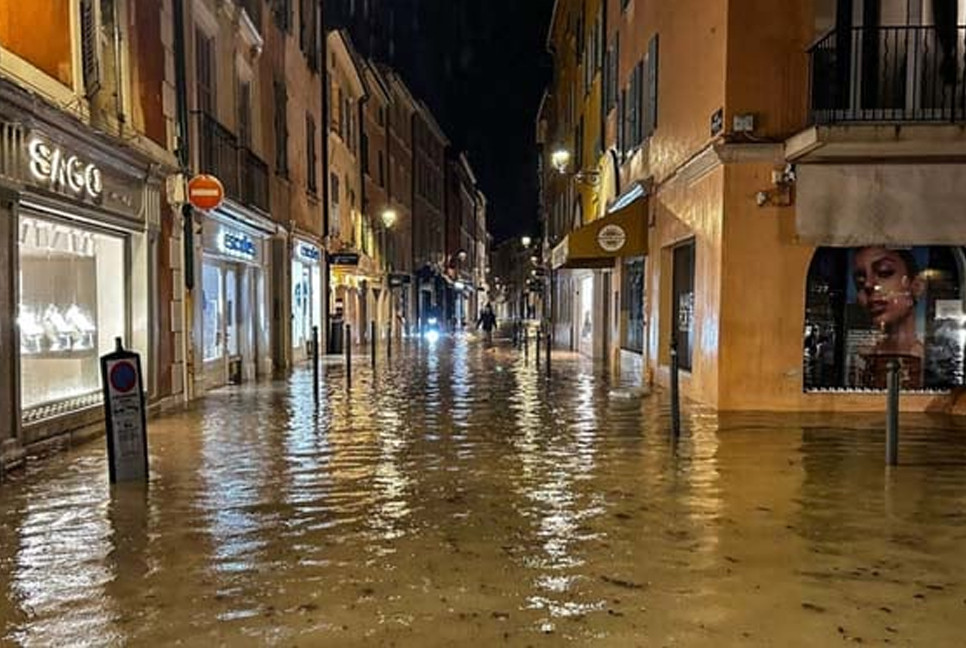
<point x="344" y="258"/>
<point x="397" y="280"/>
<point x="309" y="252"/>
<point x="63" y="171"/>
<point x="611" y="238"/>
<point x="237" y="245"/>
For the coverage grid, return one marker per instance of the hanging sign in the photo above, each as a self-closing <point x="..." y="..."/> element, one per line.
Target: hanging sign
<point x="205" y="192"/>
<point x="344" y="258"/>
<point x="124" y="414"/>
<point x="611" y="238"/>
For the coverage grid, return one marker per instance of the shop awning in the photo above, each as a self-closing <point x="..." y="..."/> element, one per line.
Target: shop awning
<point x="880" y="204"/>
<point x="622" y="233"/>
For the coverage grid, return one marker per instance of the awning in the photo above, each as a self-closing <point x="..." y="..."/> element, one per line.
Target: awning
<point x="622" y="233"/>
<point x="881" y="204"/>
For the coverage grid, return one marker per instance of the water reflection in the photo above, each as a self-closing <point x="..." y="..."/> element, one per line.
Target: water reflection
<point x="457" y="496"/>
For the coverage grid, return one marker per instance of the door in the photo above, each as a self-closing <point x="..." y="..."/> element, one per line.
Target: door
<point x="585" y="316"/>
<point x="213" y="325"/>
<point x="683" y="295"/>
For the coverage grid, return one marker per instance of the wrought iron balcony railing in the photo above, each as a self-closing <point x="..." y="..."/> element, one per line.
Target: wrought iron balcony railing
<point x="243" y="174"/>
<point x="889" y="74"/>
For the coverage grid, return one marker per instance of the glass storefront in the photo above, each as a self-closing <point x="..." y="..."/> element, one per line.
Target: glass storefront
<point x="585" y="319"/>
<point x="73" y="304"/>
<point x="683" y="302"/>
<point x="870" y="305"/>
<point x="632" y="305"/>
<point x="306" y="294"/>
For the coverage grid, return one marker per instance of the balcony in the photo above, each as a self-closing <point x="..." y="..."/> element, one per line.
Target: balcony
<point x="243" y="174"/>
<point x="909" y="74"/>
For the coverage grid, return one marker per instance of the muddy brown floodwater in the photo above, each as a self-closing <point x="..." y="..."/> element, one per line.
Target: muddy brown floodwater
<point x="457" y="498"/>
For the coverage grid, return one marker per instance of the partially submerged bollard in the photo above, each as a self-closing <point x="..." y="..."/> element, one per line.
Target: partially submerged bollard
<point x="892" y="414"/>
<point x="372" y="342"/>
<point x="388" y="341"/>
<point x="549" y="347"/>
<point x="348" y="356"/>
<point x="675" y="391"/>
<point x="125" y="415"/>
<point x="315" y="362"/>
<point x="526" y="342"/>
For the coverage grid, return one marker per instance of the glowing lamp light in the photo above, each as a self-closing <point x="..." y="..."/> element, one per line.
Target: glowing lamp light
<point x="560" y="159"/>
<point x="526" y="241"/>
<point x="459" y="286"/>
<point x="432" y="336"/>
<point x="389" y="217"/>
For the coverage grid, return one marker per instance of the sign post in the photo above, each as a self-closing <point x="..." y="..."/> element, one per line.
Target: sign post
<point x="124" y="415"/>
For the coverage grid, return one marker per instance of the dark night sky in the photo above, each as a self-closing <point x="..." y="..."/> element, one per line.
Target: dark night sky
<point x="482" y="68"/>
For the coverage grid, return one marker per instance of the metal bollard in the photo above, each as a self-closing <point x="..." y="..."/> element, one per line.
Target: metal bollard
<point x="526" y="343"/>
<point x="675" y="392"/>
<point x="537" y="345"/>
<point x="892" y="415"/>
<point x="549" y="348"/>
<point x="348" y="356"/>
<point x="389" y="342"/>
<point x="315" y="362"/>
<point x="372" y="342"/>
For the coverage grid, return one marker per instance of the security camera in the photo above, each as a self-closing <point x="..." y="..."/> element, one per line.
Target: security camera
<point x="761" y="198"/>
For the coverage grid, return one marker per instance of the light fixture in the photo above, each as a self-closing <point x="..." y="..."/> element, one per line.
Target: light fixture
<point x="461" y="255"/>
<point x="389" y="217"/>
<point x="459" y="286"/>
<point x="560" y="159"/>
<point x="526" y="241"/>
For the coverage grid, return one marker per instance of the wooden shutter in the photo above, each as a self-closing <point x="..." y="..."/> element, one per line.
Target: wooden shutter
<point x="651" y="86"/>
<point x="91" y="67"/>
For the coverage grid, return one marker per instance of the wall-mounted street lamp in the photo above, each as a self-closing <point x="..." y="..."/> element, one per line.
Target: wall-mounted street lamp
<point x="560" y="159"/>
<point x="525" y="241"/>
<point x="389" y="218"/>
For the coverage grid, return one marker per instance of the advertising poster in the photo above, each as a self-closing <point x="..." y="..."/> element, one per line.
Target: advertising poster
<point x="870" y="305"/>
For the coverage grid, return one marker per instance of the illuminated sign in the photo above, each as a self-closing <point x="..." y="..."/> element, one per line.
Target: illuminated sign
<point x="237" y="245"/>
<point x="344" y="258"/>
<point x="63" y="172"/>
<point x="309" y="252"/>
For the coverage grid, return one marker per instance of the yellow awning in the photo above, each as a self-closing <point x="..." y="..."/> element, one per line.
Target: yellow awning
<point x="617" y="235"/>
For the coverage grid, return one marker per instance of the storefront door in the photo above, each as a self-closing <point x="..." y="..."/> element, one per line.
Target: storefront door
<point x="683" y="296"/>
<point x="224" y="328"/>
<point x="585" y="316"/>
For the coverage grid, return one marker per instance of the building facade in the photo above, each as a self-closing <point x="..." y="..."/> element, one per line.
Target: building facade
<point x="86" y="238"/>
<point x="728" y="180"/>
<point x="429" y="216"/>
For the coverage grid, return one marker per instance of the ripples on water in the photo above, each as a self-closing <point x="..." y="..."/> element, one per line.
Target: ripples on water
<point x="457" y="496"/>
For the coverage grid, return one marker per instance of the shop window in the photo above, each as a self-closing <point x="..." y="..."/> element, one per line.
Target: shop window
<point x="213" y="312"/>
<point x="682" y="294"/>
<point x="632" y="306"/>
<point x="73" y="304"/>
<point x="866" y="306"/>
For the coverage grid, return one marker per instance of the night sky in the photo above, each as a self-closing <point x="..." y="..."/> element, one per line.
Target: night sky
<point x="482" y="68"/>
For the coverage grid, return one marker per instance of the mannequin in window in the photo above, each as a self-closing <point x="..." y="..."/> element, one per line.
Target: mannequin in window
<point x="888" y="286"/>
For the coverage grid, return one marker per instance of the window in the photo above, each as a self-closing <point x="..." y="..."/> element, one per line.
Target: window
<point x="91" y="68"/>
<point x="282" y="11"/>
<point x="245" y="113"/>
<point x="338" y="125"/>
<point x="205" y="71"/>
<point x="624" y="4"/>
<point x="867" y="306"/>
<point x="632" y="305"/>
<point x="382" y="116"/>
<point x="335" y="222"/>
<point x="682" y="295"/>
<point x="382" y="170"/>
<point x="308" y="31"/>
<point x="365" y="153"/>
<point x="281" y="129"/>
<point x="310" y="160"/>
<point x="72" y="306"/>
<point x="650" y="108"/>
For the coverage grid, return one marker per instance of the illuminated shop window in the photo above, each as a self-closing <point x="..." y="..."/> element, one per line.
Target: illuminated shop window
<point x="73" y="304"/>
<point x="866" y="306"/>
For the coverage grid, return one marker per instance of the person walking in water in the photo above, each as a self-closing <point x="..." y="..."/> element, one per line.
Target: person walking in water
<point x="487" y="322"/>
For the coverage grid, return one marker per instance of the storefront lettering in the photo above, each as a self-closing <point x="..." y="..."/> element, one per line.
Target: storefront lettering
<point x="51" y="165"/>
<point x="309" y="252"/>
<point x="237" y="245"/>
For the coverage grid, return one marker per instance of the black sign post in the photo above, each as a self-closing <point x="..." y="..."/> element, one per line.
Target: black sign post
<point x="125" y="415"/>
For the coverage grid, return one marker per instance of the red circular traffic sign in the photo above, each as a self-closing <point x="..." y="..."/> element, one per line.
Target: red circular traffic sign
<point x="205" y="192"/>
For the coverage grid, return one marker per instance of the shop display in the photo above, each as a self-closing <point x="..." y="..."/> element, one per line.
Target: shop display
<point x="871" y="305"/>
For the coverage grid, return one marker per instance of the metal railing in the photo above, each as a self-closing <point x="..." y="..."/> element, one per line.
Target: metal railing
<point x="889" y="74"/>
<point x="243" y="174"/>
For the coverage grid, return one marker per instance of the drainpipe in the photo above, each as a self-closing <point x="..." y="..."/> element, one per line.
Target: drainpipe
<point x="326" y="127"/>
<point x="187" y="216"/>
<point x="118" y="76"/>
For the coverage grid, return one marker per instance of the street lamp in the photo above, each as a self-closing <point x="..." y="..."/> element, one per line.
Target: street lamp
<point x="560" y="160"/>
<point x="389" y="217"/>
<point x="526" y="241"/>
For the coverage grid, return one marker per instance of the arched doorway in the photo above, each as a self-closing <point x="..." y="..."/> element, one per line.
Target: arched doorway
<point x="866" y="306"/>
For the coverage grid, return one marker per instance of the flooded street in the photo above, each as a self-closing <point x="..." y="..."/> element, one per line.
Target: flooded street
<point x="458" y="497"/>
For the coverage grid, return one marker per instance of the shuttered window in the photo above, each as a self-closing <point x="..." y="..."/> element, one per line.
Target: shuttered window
<point x="245" y="113"/>
<point x="281" y="130"/>
<point x="310" y="157"/>
<point x="89" y="59"/>
<point x="651" y="87"/>
<point x="205" y="72"/>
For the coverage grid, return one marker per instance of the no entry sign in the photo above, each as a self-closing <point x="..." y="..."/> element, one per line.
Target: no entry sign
<point x="124" y="413"/>
<point x="205" y="192"/>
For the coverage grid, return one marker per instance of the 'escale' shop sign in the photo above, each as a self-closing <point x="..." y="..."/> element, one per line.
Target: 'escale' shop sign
<point x="63" y="171"/>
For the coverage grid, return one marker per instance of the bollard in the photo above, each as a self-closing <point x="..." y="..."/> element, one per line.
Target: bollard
<point x="537" y="348"/>
<point x="372" y="342"/>
<point x="892" y="415"/>
<point x="526" y="342"/>
<point x="315" y="362"/>
<point x="348" y="356"/>
<point x="675" y="395"/>
<point x="389" y="342"/>
<point x="549" y="348"/>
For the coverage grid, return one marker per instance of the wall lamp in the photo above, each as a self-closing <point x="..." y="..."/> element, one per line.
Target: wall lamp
<point x="560" y="159"/>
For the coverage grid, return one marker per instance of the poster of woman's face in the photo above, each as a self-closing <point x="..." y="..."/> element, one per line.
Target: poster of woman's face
<point x="874" y="304"/>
